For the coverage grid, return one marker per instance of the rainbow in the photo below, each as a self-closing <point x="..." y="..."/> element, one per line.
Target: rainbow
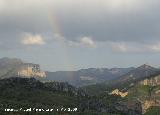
<point x="55" y="25"/>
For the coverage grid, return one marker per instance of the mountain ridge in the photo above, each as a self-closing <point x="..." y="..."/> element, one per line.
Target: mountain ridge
<point x="82" y="77"/>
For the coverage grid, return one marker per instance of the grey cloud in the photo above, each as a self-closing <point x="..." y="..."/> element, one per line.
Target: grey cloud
<point x="124" y="26"/>
<point x="138" y="23"/>
<point x="134" y="47"/>
<point x="105" y="20"/>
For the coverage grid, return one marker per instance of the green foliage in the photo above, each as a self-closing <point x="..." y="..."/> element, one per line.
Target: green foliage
<point x="140" y="91"/>
<point x="26" y="93"/>
<point x="95" y="89"/>
<point x="143" y="92"/>
<point x="153" y="111"/>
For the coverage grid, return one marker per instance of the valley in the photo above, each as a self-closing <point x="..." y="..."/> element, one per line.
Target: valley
<point x="122" y="91"/>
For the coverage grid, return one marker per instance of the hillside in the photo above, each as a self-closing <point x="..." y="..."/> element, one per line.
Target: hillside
<point x="122" y="91"/>
<point x="146" y="90"/>
<point x="153" y="111"/>
<point x="139" y="87"/>
<point x="27" y="93"/>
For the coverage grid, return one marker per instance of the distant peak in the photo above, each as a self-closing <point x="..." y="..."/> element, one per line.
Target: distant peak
<point x="145" y="66"/>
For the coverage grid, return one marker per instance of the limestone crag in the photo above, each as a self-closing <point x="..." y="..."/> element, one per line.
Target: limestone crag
<point x="149" y="103"/>
<point x="117" y="92"/>
<point x="30" y="70"/>
<point x="152" y="81"/>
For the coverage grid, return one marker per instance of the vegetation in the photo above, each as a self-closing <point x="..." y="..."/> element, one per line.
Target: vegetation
<point x="27" y="93"/>
<point x="153" y="111"/>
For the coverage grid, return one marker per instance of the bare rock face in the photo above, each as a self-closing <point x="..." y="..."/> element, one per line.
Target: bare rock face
<point x="150" y="103"/>
<point x="117" y="92"/>
<point x="152" y="99"/>
<point x="152" y="81"/>
<point x="30" y="70"/>
<point x="15" y="67"/>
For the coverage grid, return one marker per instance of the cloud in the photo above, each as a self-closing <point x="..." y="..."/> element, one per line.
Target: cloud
<point x="87" y="41"/>
<point x="83" y="42"/>
<point x="133" y="47"/>
<point x="78" y="42"/>
<point x="155" y="47"/>
<point x="30" y="39"/>
<point x="120" y="47"/>
<point x="104" y="20"/>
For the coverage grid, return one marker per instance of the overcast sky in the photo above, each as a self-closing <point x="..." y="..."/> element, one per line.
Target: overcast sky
<point x="75" y="34"/>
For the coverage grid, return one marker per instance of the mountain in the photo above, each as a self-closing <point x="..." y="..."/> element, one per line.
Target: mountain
<point x="13" y="66"/>
<point x="83" y="77"/>
<point x="147" y="91"/>
<point x="112" y="77"/>
<point x="141" y="87"/>
<point x="87" y="76"/>
<point x="29" y="94"/>
<point x="125" y="81"/>
<point x="122" y="91"/>
<point x="139" y="73"/>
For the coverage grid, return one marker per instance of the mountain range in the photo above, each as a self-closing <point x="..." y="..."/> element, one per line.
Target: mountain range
<point x="87" y="76"/>
<point x="126" y="91"/>
<point x="83" y="77"/>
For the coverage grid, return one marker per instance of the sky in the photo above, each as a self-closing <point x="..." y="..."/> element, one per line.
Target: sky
<point x="75" y="34"/>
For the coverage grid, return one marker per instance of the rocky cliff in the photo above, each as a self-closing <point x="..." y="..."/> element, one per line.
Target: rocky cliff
<point x="153" y="99"/>
<point x="30" y="70"/>
<point x="150" y="103"/>
<point x="16" y="67"/>
<point x="151" y="81"/>
<point x="117" y="92"/>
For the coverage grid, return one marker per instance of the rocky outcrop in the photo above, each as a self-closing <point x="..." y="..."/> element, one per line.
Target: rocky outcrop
<point x="153" y="92"/>
<point x="30" y="70"/>
<point x="149" y="103"/>
<point x="117" y="92"/>
<point x="15" y="67"/>
<point x="151" y="81"/>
